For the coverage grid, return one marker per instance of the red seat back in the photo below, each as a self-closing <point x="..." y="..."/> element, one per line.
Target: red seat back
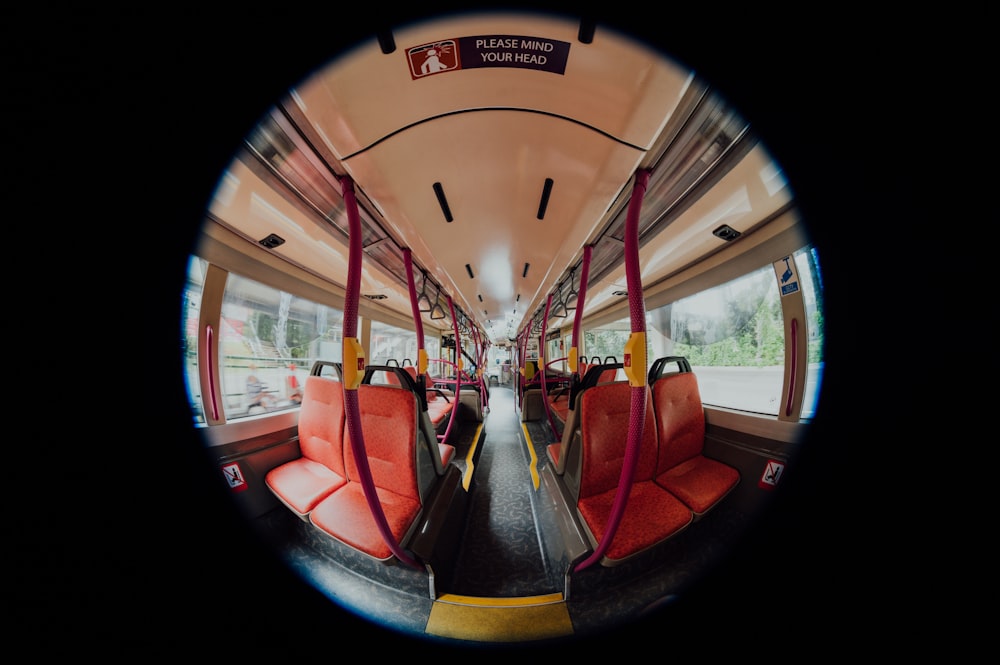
<point x="389" y="424"/>
<point x="680" y="419"/>
<point x="321" y="423"/>
<point x="604" y="419"/>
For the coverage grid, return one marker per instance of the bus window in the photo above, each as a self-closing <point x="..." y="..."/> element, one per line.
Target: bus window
<point x="554" y="350"/>
<point x="268" y="341"/>
<point x="189" y="318"/>
<point x="389" y="342"/>
<point x="607" y="342"/>
<point x="733" y="337"/>
<point x="264" y="332"/>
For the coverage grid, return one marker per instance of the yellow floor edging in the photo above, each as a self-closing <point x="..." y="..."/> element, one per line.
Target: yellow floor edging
<point x="469" y="466"/>
<point x="533" y="467"/>
<point x="500" y="619"/>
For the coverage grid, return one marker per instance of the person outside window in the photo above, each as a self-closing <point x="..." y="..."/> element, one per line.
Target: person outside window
<point x="294" y="388"/>
<point x="256" y="395"/>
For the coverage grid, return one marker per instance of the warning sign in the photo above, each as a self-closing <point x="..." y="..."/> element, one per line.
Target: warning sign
<point x="449" y="55"/>
<point x="434" y="58"/>
<point x="234" y="477"/>
<point x="772" y="474"/>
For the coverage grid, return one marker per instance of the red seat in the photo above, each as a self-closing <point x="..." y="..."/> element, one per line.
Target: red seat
<point x="438" y="407"/>
<point x="389" y="426"/>
<point x="303" y="482"/>
<point x="699" y="481"/>
<point x="559" y="397"/>
<point x="559" y="451"/>
<point x="652" y="514"/>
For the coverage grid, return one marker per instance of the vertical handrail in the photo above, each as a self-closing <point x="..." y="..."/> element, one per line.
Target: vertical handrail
<point x="354" y="368"/>
<point x="634" y="356"/>
<point x="417" y="320"/>
<point x="581" y="297"/>
<point x="458" y="373"/>
<point x="480" y="363"/>
<point x="522" y="363"/>
<point x="542" y="368"/>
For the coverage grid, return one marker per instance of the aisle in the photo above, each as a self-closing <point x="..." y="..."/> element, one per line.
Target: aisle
<point x="501" y="555"/>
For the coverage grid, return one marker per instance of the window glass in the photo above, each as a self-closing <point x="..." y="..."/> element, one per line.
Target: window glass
<point x="190" y="307"/>
<point x="432" y="345"/>
<point x="733" y="336"/>
<point x="268" y="342"/>
<point x="555" y="355"/>
<point x="468" y="355"/>
<point x="391" y="345"/>
<point x="807" y="266"/>
<point x="606" y="342"/>
<point x="501" y="359"/>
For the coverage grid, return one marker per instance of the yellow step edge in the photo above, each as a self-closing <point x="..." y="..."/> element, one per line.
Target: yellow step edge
<point x="512" y="620"/>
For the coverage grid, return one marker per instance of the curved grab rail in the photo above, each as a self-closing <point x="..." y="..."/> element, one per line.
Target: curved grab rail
<point x="793" y="368"/>
<point x="209" y="350"/>
<point x="481" y="355"/>
<point x="457" y="381"/>
<point x="545" y="396"/>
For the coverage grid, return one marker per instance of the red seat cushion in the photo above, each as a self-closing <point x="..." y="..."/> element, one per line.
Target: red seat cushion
<point x="651" y="516"/>
<point x="345" y="516"/>
<point x="301" y="483"/>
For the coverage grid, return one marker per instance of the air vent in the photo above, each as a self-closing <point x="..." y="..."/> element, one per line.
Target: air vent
<point x="272" y="241"/>
<point x="726" y="232"/>
<point x="376" y="296"/>
<point x="468" y="269"/>
<point x="480" y="297"/>
<point x="524" y="273"/>
<point x="619" y="293"/>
